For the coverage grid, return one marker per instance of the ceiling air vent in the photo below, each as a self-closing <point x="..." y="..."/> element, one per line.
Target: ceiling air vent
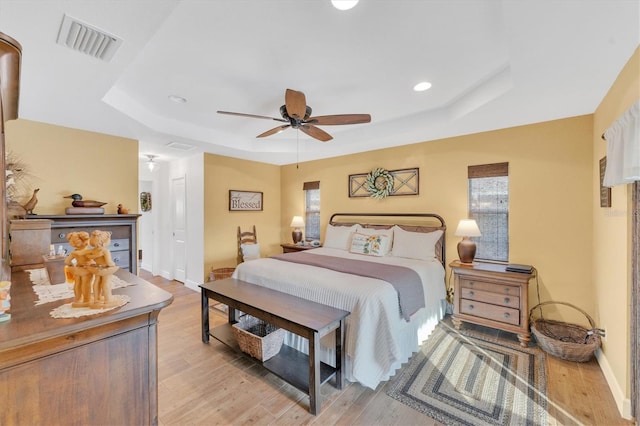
<point x="87" y="39"/>
<point x="180" y="146"/>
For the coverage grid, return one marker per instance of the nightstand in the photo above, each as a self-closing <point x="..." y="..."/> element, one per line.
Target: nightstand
<point x="488" y="295"/>
<point x="288" y="247"/>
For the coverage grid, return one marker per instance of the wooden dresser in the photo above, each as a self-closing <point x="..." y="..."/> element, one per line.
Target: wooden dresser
<point x="123" y="228"/>
<point x="488" y="295"/>
<point x="99" y="369"/>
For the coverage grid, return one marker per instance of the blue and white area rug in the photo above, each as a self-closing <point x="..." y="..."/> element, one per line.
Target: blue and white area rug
<point x="470" y="379"/>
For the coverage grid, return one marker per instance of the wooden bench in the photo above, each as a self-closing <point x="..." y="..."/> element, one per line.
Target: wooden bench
<point x="300" y="316"/>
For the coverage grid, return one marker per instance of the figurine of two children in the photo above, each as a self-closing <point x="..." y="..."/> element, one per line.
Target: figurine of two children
<point x="90" y="269"/>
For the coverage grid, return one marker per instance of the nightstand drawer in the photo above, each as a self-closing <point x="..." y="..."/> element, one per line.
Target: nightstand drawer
<point x="492" y="287"/>
<point x="490" y="297"/>
<point x="487" y="294"/>
<point x="493" y="312"/>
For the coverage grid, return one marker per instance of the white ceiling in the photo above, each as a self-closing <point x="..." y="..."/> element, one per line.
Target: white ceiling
<point x="493" y="64"/>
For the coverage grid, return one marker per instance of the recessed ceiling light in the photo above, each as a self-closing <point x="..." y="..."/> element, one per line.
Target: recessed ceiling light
<point x="344" y="4"/>
<point x="177" y="99"/>
<point x="422" y="86"/>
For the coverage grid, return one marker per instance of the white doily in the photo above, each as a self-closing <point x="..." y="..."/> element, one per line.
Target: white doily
<point x="52" y="292"/>
<point x="66" y="311"/>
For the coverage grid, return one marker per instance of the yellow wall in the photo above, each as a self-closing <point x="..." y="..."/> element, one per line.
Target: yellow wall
<point x="612" y="234"/>
<point x="63" y="161"/>
<point x="222" y="174"/>
<point x="550" y="214"/>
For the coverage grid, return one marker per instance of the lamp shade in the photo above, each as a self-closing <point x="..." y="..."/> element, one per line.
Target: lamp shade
<point x="468" y="228"/>
<point x="297" y="222"/>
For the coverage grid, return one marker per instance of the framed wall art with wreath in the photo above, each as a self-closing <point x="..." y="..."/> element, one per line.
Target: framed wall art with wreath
<point x="380" y="183"/>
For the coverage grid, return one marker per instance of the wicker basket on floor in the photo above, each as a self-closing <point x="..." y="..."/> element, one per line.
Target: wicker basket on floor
<point x="567" y="341"/>
<point x="257" y="338"/>
<point x="222" y="273"/>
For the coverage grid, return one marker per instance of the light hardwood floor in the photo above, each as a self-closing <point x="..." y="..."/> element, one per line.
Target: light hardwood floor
<point x="202" y="384"/>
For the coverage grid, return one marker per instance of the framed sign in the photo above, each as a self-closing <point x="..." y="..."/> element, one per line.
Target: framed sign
<point x="245" y="200"/>
<point x="605" y="193"/>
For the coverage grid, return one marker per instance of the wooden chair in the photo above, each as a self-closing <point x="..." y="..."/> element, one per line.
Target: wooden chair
<point x="246" y="237"/>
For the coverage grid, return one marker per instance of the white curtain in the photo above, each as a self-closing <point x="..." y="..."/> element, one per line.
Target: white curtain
<point x="623" y="148"/>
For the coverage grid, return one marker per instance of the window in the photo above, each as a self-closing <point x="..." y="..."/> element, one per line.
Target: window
<point x="489" y="206"/>
<point x="312" y="210"/>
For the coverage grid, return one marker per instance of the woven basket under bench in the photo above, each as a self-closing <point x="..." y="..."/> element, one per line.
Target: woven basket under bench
<point x="257" y="338"/>
<point x="567" y="341"/>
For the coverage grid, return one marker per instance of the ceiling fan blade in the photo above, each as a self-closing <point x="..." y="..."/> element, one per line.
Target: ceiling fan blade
<point x="315" y="132"/>
<point x="241" y="114"/>
<point x="296" y="104"/>
<point x="273" y="131"/>
<point x="331" y="120"/>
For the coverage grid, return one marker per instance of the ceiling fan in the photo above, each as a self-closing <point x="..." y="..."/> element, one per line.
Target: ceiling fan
<point x="297" y="114"/>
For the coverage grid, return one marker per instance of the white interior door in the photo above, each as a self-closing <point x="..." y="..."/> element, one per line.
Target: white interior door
<point x="179" y="205"/>
<point x="145" y="231"/>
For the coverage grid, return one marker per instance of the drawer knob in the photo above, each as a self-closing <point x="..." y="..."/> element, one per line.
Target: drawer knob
<point x="507" y="290"/>
<point x="470" y="307"/>
<point x="62" y="235"/>
<point x="471" y="293"/>
<point x="470" y="283"/>
<point x="507" y="315"/>
<point x="506" y="300"/>
<point x="116" y="244"/>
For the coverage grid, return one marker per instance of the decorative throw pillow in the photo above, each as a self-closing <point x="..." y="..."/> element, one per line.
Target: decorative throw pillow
<point x="373" y="231"/>
<point x="372" y="245"/>
<point x="250" y="251"/>
<point x="338" y="236"/>
<point x="415" y="245"/>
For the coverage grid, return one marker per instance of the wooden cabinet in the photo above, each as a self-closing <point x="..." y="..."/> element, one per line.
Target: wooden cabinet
<point x="29" y="240"/>
<point x="99" y="369"/>
<point x="289" y="248"/>
<point x="10" y="57"/>
<point x="488" y="295"/>
<point x="123" y="228"/>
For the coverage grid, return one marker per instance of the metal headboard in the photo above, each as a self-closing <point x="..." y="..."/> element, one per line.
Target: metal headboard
<point x="434" y="222"/>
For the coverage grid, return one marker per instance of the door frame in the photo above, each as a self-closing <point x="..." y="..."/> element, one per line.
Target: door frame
<point x="635" y="301"/>
<point x="174" y="268"/>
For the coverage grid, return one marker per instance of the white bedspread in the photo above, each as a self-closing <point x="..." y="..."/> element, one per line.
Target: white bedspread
<point x="377" y="340"/>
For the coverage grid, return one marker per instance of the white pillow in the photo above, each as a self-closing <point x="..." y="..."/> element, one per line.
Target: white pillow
<point x="415" y="245"/>
<point x="338" y="236"/>
<point x="373" y="231"/>
<point x="372" y="245"/>
<point x="250" y="251"/>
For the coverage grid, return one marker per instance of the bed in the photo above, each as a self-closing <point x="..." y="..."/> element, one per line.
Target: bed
<point x="385" y="328"/>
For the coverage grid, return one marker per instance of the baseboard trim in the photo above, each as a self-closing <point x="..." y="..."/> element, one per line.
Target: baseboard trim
<point x="623" y="404"/>
<point x="192" y="285"/>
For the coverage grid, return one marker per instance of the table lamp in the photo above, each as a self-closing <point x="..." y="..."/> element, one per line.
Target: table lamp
<point x="466" y="247"/>
<point x="297" y="223"/>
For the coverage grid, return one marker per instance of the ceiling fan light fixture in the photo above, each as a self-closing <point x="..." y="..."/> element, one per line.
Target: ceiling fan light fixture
<point x="151" y="165"/>
<point x="296" y="114"/>
<point x="344" y="4"/>
<point x="422" y="86"/>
